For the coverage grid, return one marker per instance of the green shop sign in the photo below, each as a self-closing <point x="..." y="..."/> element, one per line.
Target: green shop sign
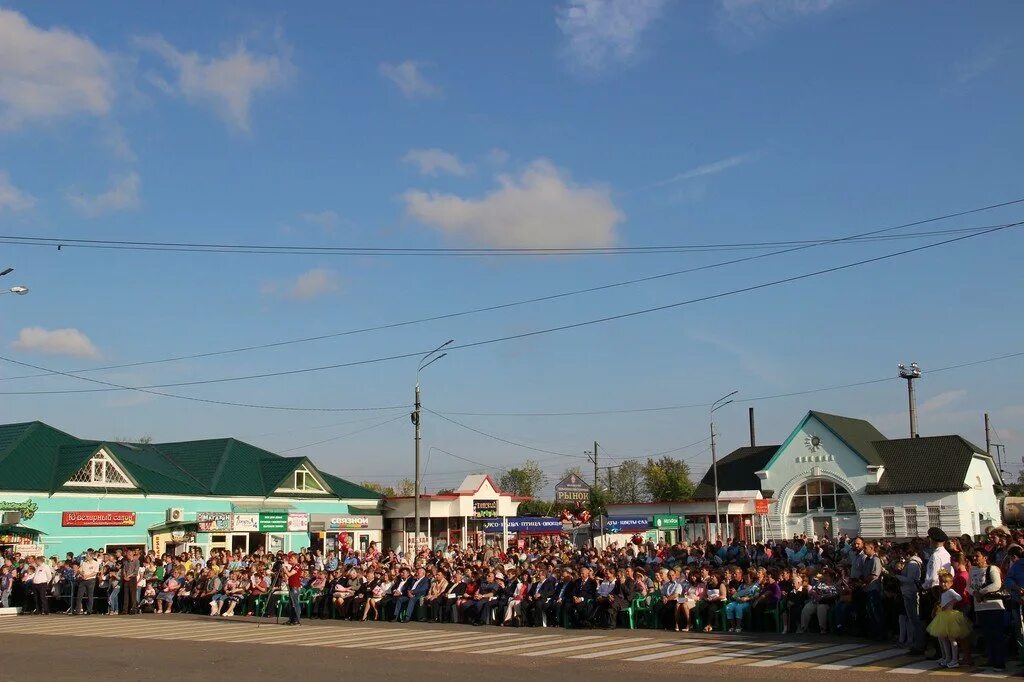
<point x="273" y="522"/>
<point x="668" y="521"/>
<point x="27" y="508"/>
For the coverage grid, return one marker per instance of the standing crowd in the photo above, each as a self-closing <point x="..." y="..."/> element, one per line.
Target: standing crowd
<point x="953" y="600"/>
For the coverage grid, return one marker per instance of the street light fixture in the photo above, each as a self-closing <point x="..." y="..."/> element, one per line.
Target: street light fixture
<point x="427" y="360"/>
<point x="6" y="271"/>
<point x="715" y="406"/>
<point x="20" y="291"/>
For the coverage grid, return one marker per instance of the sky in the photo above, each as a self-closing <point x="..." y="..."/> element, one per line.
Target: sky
<point x="467" y="125"/>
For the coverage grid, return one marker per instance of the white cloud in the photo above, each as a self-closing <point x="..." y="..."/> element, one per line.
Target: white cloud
<point x="979" y="63"/>
<point x="12" y="198"/>
<point x="542" y="208"/>
<point x="750" y="18"/>
<point x="228" y="83"/>
<point x="47" y="74"/>
<point x="123" y="195"/>
<point x="714" y="168"/>
<point x="942" y="400"/>
<point x="55" y="342"/>
<point x="604" y="33"/>
<point x="407" y="77"/>
<point x="498" y="156"/>
<point x="327" y="220"/>
<point x="435" y="161"/>
<point x="307" y="286"/>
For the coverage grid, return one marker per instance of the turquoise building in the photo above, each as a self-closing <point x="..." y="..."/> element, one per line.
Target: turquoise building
<point x="61" y="494"/>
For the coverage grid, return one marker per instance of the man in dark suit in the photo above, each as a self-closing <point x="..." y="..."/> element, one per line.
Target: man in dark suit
<point x="537" y="598"/>
<point x="475" y="611"/>
<point x="584" y="594"/>
<point x="394" y="593"/>
<point x="412" y="593"/>
<point x="622" y="597"/>
<point x="561" y="599"/>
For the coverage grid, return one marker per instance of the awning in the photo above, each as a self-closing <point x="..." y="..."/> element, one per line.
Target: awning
<point x="23" y="531"/>
<point x="173" y="525"/>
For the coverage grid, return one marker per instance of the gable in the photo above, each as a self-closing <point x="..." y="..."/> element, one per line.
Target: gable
<point x="303" y="479"/>
<point x="100" y="470"/>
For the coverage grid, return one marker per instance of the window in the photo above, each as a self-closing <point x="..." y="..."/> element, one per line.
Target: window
<point x="889" y="522"/>
<point x="303" y="481"/>
<point x="822" y="495"/>
<point x="911" y="515"/>
<point x="100" y="471"/>
<point x="934" y="517"/>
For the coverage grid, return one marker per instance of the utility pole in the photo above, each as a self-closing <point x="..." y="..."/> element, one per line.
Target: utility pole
<point x="911" y="374"/>
<point x="988" y="437"/>
<point x="595" y="465"/>
<point x="721" y="402"/>
<point x="425" y="361"/>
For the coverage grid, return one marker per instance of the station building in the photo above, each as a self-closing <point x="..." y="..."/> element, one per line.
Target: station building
<point x="60" y="494"/>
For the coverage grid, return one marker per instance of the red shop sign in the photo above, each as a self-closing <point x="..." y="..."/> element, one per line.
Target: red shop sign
<point x="98" y="518"/>
<point x="761" y="506"/>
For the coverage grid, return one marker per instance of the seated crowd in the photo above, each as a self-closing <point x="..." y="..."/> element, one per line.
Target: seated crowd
<point x="958" y="595"/>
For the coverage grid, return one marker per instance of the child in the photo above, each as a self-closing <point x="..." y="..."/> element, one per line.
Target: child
<point x="114" y="592"/>
<point x="148" y="603"/>
<point x="6" y="586"/>
<point x="949" y="624"/>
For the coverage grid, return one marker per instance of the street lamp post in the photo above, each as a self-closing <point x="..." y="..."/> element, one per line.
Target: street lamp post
<point x="20" y="291"/>
<point x="427" y="360"/>
<point x="720" y="403"/>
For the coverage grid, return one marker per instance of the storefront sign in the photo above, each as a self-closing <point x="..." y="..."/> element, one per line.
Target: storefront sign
<point x="348" y="523"/>
<point x="213" y="521"/>
<point x="273" y="522"/>
<point x="761" y="506"/>
<point x="485" y="509"/>
<point x="626" y="524"/>
<point x="572" y="489"/>
<point x="526" y="524"/>
<point x="245" y="523"/>
<point x="667" y="521"/>
<point x="16" y="540"/>
<point x="97" y="518"/>
<point x="27" y="509"/>
<point x="298" y="522"/>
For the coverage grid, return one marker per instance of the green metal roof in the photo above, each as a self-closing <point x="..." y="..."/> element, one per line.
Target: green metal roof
<point x="39" y="458"/>
<point x="859" y="435"/>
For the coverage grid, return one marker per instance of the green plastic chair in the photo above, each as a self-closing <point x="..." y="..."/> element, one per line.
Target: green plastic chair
<point x="306" y="598"/>
<point x="639" y="608"/>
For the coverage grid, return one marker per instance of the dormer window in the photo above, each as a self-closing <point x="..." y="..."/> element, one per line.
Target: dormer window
<point x="303" y="481"/>
<point x="101" y="471"/>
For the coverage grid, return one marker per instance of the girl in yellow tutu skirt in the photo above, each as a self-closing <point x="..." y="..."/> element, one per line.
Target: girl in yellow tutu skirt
<point x="949" y="625"/>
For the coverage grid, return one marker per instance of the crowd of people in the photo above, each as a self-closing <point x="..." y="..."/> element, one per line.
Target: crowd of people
<point x="948" y="599"/>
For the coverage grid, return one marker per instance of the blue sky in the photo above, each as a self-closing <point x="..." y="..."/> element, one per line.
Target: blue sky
<point x="467" y="124"/>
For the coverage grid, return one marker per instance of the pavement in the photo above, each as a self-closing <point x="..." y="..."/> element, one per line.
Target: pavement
<point x="137" y="646"/>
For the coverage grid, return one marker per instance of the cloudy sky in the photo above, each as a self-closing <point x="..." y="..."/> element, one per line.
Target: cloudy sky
<point x="571" y="124"/>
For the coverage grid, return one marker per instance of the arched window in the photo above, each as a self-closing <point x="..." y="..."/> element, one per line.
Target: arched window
<point x="822" y="495"/>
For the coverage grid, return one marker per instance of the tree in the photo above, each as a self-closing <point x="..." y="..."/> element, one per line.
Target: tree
<point x="667" y="480"/>
<point x="446" y="491"/>
<point x="524" y="481"/>
<point x="406" y="488"/>
<point x="379" y="488"/>
<point x="626" y="483"/>
<point x="141" y="440"/>
<point x="574" y="469"/>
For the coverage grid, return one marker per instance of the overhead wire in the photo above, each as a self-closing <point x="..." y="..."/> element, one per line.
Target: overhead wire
<point x="512" y="337"/>
<point x="345" y="435"/>
<point x="537" y="299"/>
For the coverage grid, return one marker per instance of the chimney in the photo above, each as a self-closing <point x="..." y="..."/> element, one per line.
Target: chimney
<point x="753" y="440"/>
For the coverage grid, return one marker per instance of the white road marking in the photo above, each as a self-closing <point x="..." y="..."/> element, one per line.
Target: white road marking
<point x="525" y="644"/>
<point x="804" y="655"/>
<point x="667" y="654"/>
<point x="624" y="650"/>
<point x="917" y="667"/>
<point x="754" y="650"/>
<point x="576" y="647"/>
<point x="861" y="660"/>
<point x="505" y="640"/>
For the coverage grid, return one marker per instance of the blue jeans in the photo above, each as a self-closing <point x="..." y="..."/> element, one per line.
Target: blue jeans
<point x="114" y="601"/>
<point x="993" y="629"/>
<point x="915" y="628"/>
<point x="293" y="596"/>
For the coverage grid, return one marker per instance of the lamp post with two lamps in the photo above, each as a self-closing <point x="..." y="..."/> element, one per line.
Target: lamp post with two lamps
<point x="19" y="290"/>
<point x="427" y="360"/>
<point x="718" y="404"/>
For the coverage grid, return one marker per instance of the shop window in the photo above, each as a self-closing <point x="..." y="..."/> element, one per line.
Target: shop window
<point x="100" y="471"/>
<point x="889" y="522"/>
<point x="822" y="495"/>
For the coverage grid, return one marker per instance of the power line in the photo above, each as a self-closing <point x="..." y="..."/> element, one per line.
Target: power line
<point x="538" y="299"/>
<point x="512" y="337"/>
<point x="503" y="440"/>
<point x="345" y="435"/>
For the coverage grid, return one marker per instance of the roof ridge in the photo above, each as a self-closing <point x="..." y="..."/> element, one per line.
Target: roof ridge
<point x="175" y="464"/>
<point x="224" y="457"/>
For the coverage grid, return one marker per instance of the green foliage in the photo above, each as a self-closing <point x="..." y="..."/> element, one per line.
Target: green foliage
<point x="524" y="480"/>
<point x="667" y="480"/>
<point x="626" y="483"/>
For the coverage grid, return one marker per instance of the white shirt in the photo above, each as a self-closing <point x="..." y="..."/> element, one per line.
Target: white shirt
<point x="43" y="574"/>
<point x="89" y="567"/>
<point x="939" y="560"/>
<point x="605" y="588"/>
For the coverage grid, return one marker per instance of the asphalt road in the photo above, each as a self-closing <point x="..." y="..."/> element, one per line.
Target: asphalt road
<point x="140" y="646"/>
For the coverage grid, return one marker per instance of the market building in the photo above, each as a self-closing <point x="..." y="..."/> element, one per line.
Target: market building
<point x="60" y="494"/>
<point x="840" y="475"/>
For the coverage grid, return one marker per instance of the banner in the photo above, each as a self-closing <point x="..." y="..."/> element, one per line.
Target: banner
<point x="667" y="521"/>
<point x="298" y="522"/>
<point x="273" y="522"/>
<point x="761" y="506"/>
<point x="626" y="524"/>
<point x="485" y="509"/>
<point x="27" y="509"/>
<point x="213" y="522"/>
<point x="348" y="523"/>
<point x="97" y="518"/>
<point x="245" y="523"/>
<point x="572" y="489"/>
<point x="526" y="524"/>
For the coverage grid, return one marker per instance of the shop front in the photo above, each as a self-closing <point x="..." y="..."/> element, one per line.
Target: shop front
<point x="344" y="532"/>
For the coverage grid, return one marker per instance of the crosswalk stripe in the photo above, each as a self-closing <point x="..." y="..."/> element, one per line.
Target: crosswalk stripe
<point x="504" y="640"/>
<point x="624" y="650"/>
<point x="916" y="668"/>
<point x="577" y="647"/>
<point x="565" y="640"/>
<point x="805" y="655"/>
<point x="677" y="652"/>
<point x="743" y="653"/>
<point x="392" y="636"/>
<point x="436" y="639"/>
<point x="861" y="660"/>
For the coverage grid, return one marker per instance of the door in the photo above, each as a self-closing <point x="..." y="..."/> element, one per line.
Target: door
<point x="240" y="541"/>
<point x="823" y="526"/>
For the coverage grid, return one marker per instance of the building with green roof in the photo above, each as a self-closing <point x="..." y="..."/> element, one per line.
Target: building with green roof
<point x="60" y="493"/>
